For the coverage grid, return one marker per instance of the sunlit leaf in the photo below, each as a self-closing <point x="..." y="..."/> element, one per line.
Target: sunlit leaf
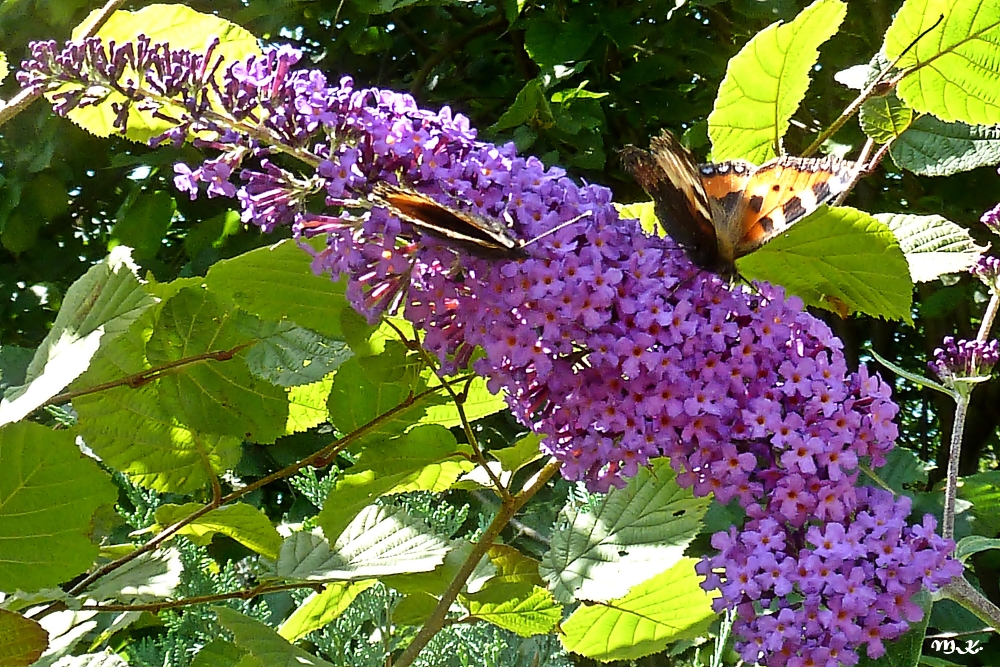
<point x="654" y="614"/>
<point x="633" y="534"/>
<point x="956" y="74"/>
<point x="766" y="81"/>
<point x="49" y="492"/>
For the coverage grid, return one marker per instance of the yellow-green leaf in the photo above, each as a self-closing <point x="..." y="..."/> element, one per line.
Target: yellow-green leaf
<point x="245" y="524"/>
<point x="319" y="609"/>
<point x="955" y="69"/>
<point x="669" y="607"/>
<point x="766" y="81"/>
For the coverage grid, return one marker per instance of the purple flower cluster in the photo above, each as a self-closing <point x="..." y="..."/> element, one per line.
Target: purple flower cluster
<point x="960" y="362"/>
<point x="987" y="269"/>
<point x="992" y="219"/>
<point x="607" y="341"/>
<point x="810" y="597"/>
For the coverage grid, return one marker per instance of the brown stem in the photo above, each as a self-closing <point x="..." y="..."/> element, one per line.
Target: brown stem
<point x="244" y="594"/>
<point x="136" y="380"/>
<point x="323" y="454"/>
<point x="508" y="509"/>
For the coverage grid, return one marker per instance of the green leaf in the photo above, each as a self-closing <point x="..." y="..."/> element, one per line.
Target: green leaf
<point x="219" y="397"/>
<point x="933" y="246"/>
<point x="380" y="541"/>
<point x="956" y="73"/>
<point x="150" y="577"/>
<point x="437" y="580"/>
<point x="838" y="255"/>
<point x="644" y="213"/>
<point x="521" y="454"/>
<point x="365" y="388"/>
<point x="885" y="118"/>
<point x="97" y="308"/>
<point x="307" y="405"/>
<point x="669" y="607"/>
<point x="513" y="566"/>
<point x="277" y="282"/>
<point x="414" y="609"/>
<point x="632" y="535"/>
<point x="529" y="108"/>
<point x="182" y="28"/>
<point x="974" y="544"/>
<point x="218" y="653"/>
<point x="902" y="470"/>
<point x="983" y="491"/>
<point x="553" y="43"/>
<point x="292" y="356"/>
<point x="321" y="609"/>
<point x="766" y="81"/>
<point x="263" y="643"/>
<point x="912" y="377"/>
<point x="211" y="233"/>
<point x="49" y="493"/>
<point x="132" y="431"/>
<point x="931" y="147"/>
<point x="522" y="608"/>
<point x="426" y="458"/>
<point x="247" y="525"/>
<point x="142" y="223"/>
<point x="22" y="640"/>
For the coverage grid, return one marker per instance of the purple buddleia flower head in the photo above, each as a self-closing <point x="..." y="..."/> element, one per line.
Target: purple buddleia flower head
<point x="987" y="269"/>
<point x="992" y="219"/>
<point x="960" y="364"/>
<point x="607" y="342"/>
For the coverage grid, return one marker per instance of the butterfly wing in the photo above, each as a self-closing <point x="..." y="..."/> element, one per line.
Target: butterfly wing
<point x="482" y="235"/>
<point x="774" y="197"/>
<point x="671" y="177"/>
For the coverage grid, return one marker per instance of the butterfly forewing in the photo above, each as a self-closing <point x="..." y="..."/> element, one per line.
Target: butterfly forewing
<point x="784" y="191"/>
<point x="482" y="235"/>
<point x="670" y="176"/>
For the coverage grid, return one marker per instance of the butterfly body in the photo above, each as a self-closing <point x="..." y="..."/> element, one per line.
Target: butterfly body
<point x="719" y="212"/>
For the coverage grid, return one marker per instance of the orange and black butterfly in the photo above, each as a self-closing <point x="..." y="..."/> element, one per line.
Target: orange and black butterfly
<point x="719" y="212"/>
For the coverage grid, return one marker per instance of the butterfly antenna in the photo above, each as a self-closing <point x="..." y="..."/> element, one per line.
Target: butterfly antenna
<point x="555" y="229"/>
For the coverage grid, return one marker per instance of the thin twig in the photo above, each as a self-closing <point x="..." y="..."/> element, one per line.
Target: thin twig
<point x="323" y="454"/>
<point x="869" y="91"/>
<point x="502" y="490"/>
<point x="437" y="619"/>
<point x="244" y="594"/>
<point x="136" y="380"/>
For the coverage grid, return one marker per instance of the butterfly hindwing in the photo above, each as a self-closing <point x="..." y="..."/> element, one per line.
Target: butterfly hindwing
<point x="782" y="192"/>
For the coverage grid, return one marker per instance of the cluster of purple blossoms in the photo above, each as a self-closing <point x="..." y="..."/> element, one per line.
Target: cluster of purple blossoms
<point x="958" y="362"/>
<point x="605" y="340"/>
<point x="987" y="269"/>
<point x="810" y="597"/>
